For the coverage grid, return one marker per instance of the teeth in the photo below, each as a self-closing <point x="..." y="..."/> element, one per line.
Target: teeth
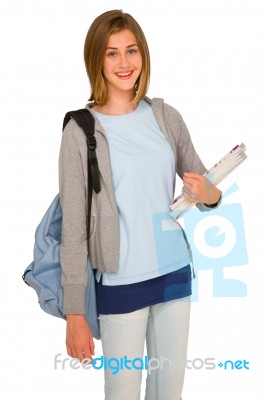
<point x="124" y="74"/>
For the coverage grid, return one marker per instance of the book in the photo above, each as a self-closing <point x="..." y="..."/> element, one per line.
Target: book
<point x="215" y="175"/>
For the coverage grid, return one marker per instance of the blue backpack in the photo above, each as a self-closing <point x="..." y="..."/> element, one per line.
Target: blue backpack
<point x="44" y="273"/>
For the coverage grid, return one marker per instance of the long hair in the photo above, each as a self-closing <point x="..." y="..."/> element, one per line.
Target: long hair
<point x="95" y="48"/>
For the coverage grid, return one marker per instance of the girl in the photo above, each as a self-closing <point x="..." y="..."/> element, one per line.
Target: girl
<point x="138" y="253"/>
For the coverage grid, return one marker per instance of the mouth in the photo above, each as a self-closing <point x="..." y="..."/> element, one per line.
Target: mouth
<point x="124" y="75"/>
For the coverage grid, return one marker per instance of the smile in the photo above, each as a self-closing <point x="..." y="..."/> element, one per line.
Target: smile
<point x="124" y="75"/>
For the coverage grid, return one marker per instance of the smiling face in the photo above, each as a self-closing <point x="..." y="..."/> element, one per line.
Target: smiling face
<point x="122" y="64"/>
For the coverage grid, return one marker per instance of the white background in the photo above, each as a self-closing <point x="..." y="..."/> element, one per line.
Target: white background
<point x="208" y="61"/>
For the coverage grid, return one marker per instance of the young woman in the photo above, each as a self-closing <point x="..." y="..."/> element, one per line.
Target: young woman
<point x="142" y="270"/>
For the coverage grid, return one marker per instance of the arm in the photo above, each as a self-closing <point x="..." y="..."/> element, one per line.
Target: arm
<point x="197" y="189"/>
<point x="73" y="251"/>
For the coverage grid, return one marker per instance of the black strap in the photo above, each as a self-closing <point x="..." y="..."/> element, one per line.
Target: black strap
<point x="86" y="121"/>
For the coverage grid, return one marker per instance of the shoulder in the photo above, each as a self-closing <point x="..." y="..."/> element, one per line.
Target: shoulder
<point x="72" y="132"/>
<point x="159" y="105"/>
<point x="169" y="113"/>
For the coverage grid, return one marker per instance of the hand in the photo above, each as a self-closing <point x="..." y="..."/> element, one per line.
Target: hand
<point x="79" y="338"/>
<point x="197" y="189"/>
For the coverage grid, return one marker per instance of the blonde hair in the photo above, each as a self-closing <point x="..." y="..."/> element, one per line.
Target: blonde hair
<point x="95" y="48"/>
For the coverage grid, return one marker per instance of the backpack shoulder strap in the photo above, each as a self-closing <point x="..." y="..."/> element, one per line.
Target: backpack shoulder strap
<point x="87" y="123"/>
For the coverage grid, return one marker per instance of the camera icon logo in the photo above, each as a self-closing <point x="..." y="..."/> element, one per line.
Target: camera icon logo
<point x="217" y="240"/>
<point x="214" y="236"/>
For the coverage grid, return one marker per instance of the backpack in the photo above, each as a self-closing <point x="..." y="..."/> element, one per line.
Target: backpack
<point x="44" y="273"/>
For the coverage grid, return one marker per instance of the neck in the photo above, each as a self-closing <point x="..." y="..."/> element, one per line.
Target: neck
<point x="117" y="104"/>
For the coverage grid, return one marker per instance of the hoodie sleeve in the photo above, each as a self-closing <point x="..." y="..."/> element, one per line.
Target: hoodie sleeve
<point x="73" y="251"/>
<point x="187" y="159"/>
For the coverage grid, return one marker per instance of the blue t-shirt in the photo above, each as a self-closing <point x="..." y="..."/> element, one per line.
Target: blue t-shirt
<point x="143" y="173"/>
<point x="154" y="259"/>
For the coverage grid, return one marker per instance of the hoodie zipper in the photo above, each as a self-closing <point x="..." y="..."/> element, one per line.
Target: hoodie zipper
<point x="189" y="249"/>
<point x="110" y="169"/>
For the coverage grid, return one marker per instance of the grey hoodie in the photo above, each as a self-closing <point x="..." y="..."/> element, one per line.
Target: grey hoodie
<point x="104" y="228"/>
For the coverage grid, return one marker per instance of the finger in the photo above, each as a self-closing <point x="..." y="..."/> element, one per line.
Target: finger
<point x="69" y="351"/>
<point x="87" y="357"/>
<point x="192" y="175"/>
<point x="188" y="181"/>
<point x="81" y="355"/>
<point x="192" y="181"/>
<point x="72" y="351"/>
<point x="190" y="199"/>
<point x="92" y="346"/>
<point x="190" y="195"/>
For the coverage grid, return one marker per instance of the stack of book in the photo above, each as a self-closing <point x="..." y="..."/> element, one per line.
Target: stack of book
<point x="215" y="175"/>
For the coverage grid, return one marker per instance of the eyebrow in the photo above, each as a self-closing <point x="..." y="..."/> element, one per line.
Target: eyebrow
<point x="116" y="48"/>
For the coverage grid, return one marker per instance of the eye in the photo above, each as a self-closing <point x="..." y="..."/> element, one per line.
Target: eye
<point x="132" y="51"/>
<point x="111" y="54"/>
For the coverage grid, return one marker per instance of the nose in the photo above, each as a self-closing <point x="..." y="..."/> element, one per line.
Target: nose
<point x="123" y="61"/>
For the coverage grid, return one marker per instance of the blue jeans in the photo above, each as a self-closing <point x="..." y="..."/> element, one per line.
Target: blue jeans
<point x="165" y="327"/>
